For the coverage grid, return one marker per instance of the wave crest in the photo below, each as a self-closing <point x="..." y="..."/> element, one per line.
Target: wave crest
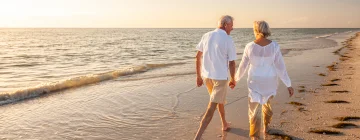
<point x="75" y="82"/>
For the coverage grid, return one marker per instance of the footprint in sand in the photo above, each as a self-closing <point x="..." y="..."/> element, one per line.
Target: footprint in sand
<point x="296" y="103"/>
<point x="345" y="125"/>
<point x="334" y="80"/>
<point x="340" y="91"/>
<point x="325" y="132"/>
<point x="322" y="74"/>
<point x="347" y="118"/>
<point x="330" y="84"/>
<point x="337" y="101"/>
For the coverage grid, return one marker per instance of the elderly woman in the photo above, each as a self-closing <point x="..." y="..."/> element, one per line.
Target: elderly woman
<point x="265" y="62"/>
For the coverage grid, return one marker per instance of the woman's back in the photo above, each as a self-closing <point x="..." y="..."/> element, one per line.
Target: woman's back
<point x="265" y="64"/>
<point x="262" y="58"/>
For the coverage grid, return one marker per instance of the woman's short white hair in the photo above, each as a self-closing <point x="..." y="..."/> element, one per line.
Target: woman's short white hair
<point x="262" y="28"/>
<point x="224" y="20"/>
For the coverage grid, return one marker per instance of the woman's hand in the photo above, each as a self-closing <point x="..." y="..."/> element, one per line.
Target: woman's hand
<point x="291" y="91"/>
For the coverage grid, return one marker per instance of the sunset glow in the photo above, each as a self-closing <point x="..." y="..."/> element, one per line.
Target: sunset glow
<point x="177" y="14"/>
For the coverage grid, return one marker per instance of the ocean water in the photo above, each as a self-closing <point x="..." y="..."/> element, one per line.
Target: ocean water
<point x="125" y="83"/>
<point x="35" y="57"/>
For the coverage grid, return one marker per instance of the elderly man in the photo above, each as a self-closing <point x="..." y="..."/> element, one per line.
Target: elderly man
<point x="215" y="57"/>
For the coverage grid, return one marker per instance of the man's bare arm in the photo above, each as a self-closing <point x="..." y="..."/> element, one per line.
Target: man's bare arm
<point x="199" y="80"/>
<point x="232" y="74"/>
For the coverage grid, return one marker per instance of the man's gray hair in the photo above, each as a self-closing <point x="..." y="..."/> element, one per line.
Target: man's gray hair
<point x="224" y="20"/>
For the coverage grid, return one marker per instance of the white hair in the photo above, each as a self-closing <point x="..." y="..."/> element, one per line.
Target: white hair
<point x="224" y="20"/>
<point x="261" y="28"/>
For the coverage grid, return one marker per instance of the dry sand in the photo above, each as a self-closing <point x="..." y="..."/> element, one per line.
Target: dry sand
<point x="296" y="121"/>
<point x="317" y="114"/>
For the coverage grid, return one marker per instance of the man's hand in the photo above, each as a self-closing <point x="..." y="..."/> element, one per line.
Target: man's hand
<point x="199" y="81"/>
<point x="291" y="91"/>
<point x="232" y="83"/>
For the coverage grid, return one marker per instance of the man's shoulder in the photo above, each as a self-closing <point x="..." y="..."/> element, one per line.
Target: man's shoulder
<point x="220" y="36"/>
<point x="216" y="31"/>
<point x="207" y="34"/>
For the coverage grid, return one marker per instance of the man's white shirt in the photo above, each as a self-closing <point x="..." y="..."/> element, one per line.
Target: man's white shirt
<point x="218" y="49"/>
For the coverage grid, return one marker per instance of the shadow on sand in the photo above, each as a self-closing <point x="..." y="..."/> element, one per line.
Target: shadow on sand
<point x="279" y="134"/>
<point x="273" y="134"/>
<point x="237" y="131"/>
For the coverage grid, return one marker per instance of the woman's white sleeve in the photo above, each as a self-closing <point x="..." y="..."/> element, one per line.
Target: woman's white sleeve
<point x="243" y="65"/>
<point x="281" y="68"/>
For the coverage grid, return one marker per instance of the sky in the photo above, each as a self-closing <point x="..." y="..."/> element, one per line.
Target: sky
<point x="178" y="13"/>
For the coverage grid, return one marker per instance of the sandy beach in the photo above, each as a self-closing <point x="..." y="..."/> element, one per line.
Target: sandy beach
<point x="327" y="108"/>
<point x="317" y="85"/>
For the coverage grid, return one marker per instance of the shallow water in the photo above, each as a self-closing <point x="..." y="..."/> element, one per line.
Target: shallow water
<point x="31" y="57"/>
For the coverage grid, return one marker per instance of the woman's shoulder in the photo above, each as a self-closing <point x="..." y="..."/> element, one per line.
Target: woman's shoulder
<point x="275" y="45"/>
<point x="274" y="42"/>
<point x="249" y="45"/>
<point x="252" y="43"/>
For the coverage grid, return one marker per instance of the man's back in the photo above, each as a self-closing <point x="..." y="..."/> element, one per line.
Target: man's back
<point x="214" y="58"/>
<point x="217" y="48"/>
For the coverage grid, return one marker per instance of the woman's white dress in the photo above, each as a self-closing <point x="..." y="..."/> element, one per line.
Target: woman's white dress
<point x="265" y="65"/>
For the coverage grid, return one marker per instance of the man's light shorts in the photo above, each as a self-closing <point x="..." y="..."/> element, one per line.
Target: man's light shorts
<point x="217" y="90"/>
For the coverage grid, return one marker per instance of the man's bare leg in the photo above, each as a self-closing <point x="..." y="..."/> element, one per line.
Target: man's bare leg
<point x="206" y="120"/>
<point x="221" y="109"/>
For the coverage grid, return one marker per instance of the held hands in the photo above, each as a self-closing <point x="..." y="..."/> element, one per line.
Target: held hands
<point x="232" y="83"/>
<point x="199" y="81"/>
<point x="291" y="91"/>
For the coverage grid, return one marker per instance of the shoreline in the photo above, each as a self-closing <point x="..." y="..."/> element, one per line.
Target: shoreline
<point x="320" y="113"/>
<point x="150" y="105"/>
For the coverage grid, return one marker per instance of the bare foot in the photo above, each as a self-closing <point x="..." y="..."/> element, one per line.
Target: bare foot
<point x="227" y="126"/>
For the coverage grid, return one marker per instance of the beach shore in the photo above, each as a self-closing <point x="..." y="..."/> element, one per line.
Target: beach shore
<point x="334" y="108"/>
<point x="336" y="65"/>
<point x="170" y="106"/>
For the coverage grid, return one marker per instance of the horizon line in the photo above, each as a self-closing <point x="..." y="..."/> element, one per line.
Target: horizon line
<point x="169" y="28"/>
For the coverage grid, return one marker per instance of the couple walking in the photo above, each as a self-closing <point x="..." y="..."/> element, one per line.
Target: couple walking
<point x="216" y="57"/>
